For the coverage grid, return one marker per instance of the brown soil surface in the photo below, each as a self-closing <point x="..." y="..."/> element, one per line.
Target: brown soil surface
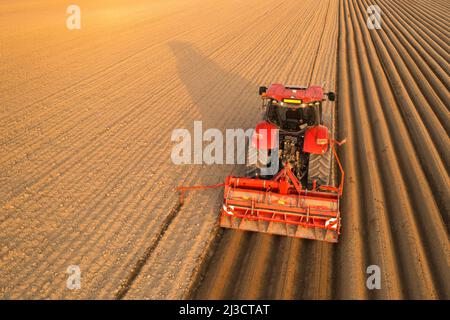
<point x="86" y="118"/>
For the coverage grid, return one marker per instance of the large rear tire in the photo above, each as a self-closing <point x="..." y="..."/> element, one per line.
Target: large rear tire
<point x="254" y="164"/>
<point x="252" y="170"/>
<point x="319" y="169"/>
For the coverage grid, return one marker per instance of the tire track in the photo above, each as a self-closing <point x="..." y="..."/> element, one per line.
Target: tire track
<point x="128" y="282"/>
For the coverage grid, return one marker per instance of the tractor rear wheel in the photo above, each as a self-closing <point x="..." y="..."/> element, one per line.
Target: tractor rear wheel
<point x="254" y="164"/>
<point x="319" y="169"/>
<point x="252" y="170"/>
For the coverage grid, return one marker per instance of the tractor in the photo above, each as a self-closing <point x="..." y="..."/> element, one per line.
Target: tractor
<point x="289" y="187"/>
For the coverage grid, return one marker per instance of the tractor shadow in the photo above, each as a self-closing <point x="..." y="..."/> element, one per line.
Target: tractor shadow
<point x="220" y="98"/>
<point x="224" y="99"/>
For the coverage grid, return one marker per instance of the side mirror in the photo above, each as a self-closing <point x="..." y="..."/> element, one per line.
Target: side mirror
<point x="262" y="90"/>
<point x="331" y="96"/>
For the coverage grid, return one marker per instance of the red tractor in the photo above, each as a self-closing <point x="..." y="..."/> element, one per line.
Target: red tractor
<point x="293" y="117"/>
<point x="289" y="187"/>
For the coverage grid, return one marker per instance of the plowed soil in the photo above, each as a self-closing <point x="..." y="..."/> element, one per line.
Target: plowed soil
<point x="86" y="118"/>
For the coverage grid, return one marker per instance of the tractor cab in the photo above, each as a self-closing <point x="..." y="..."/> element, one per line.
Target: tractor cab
<point x="293" y="108"/>
<point x="291" y="117"/>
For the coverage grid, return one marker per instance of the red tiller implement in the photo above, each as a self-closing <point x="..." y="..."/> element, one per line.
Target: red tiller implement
<point x="281" y="206"/>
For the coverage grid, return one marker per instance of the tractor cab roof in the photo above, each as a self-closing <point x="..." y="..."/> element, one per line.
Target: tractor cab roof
<point x="294" y="94"/>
